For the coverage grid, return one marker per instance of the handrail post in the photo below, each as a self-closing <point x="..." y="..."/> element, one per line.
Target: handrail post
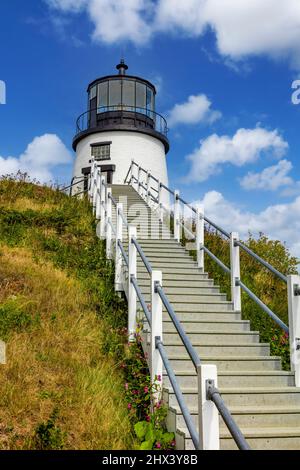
<point x="96" y="176"/>
<point x="209" y="432"/>
<point x="200" y="237"/>
<point x="131" y="173"/>
<point x="118" y="254"/>
<point x="139" y="178"/>
<point x="235" y="271"/>
<point x="132" y="271"/>
<point x="156" y="364"/>
<point x="90" y="190"/>
<point x="293" y="285"/>
<point x="98" y="196"/>
<point x="160" y="209"/>
<point x="108" y="226"/>
<point x="148" y="189"/>
<point x="102" y="208"/>
<point x="176" y="216"/>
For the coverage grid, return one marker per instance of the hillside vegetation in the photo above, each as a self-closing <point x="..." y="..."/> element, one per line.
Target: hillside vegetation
<point x="265" y="285"/>
<point x="61" y="387"/>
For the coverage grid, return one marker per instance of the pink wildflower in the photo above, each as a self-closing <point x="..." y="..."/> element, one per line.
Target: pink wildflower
<point x="146" y="389"/>
<point x="129" y="406"/>
<point x="158" y="445"/>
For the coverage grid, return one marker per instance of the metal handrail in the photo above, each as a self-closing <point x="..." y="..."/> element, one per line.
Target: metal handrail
<point x="214" y="395"/>
<point x="134" y="282"/>
<point x="128" y="173"/>
<point x="279" y="322"/>
<point x="125" y="257"/>
<point x="262" y="261"/>
<point x="185" y="339"/>
<point x="123" y="218"/>
<point x="112" y="200"/>
<point x="185" y="412"/>
<point x="78" y="194"/>
<point x="144" y="187"/>
<point x="71" y="185"/>
<point x="168" y="189"/>
<point x="155" y="120"/>
<point x="112" y="227"/>
<point x="142" y="255"/>
<point x="187" y="230"/>
<point x="217" y="260"/>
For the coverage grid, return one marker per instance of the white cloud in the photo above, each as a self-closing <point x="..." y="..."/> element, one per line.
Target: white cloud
<point x="68" y="5"/>
<point x="246" y="146"/>
<point x="242" y="28"/>
<point x="196" y="109"/>
<point x="186" y="16"/>
<point x="270" y="178"/>
<point x="41" y="155"/>
<point x="279" y="222"/>
<point x="114" y="20"/>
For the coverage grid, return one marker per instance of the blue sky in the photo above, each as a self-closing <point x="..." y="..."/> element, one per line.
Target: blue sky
<point x="224" y="74"/>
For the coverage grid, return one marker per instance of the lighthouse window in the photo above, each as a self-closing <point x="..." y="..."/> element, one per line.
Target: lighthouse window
<point x="100" y="151"/>
<point x="115" y="88"/>
<point x="93" y="93"/>
<point x="150" y="99"/>
<point x="129" y="92"/>
<point x="140" y="95"/>
<point x="102" y="95"/>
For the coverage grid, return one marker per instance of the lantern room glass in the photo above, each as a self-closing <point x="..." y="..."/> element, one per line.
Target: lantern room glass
<point x="127" y="94"/>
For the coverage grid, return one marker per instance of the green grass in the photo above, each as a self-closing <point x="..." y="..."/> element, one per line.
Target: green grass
<point x="61" y="387"/>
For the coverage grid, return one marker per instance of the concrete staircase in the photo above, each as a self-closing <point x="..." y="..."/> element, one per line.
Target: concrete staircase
<point x="261" y="397"/>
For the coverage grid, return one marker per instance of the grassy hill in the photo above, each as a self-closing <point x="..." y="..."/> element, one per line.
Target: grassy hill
<point x="65" y="329"/>
<point x="61" y="387"/>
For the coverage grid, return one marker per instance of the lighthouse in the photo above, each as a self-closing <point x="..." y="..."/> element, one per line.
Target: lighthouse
<point x="120" y="125"/>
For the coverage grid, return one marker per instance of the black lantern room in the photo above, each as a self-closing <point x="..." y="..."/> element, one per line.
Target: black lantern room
<point x="121" y="102"/>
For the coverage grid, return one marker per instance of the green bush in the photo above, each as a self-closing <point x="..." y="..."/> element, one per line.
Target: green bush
<point x="49" y="436"/>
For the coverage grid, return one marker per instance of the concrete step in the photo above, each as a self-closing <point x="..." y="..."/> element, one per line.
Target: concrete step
<point x="199" y="326"/>
<point x="204" y="338"/>
<point x="203" y="306"/>
<point x="202" y="289"/>
<point x="175" y="273"/>
<point x="205" y="315"/>
<point x="242" y="397"/>
<point x="227" y="363"/>
<point x="192" y="272"/>
<point x="169" y="262"/>
<point x="239" y="379"/>
<point x="239" y="349"/>
<point x="193" y="298"/>
<point x="266" y="438"/>
<point x="246" y="418"/>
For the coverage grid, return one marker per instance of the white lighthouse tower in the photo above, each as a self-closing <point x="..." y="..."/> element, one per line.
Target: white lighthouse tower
<point x="121" y="125"/>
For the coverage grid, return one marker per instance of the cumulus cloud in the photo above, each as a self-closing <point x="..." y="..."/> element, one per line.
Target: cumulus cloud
<point x="114" y="20"/>
<point x="270" y="178"/>
<point x="246" y="146"/>
<point x="40" y="157"/>
<point x="280" y="221"/>
<point x="195" y="110"/>
<point x="241" y="28"/>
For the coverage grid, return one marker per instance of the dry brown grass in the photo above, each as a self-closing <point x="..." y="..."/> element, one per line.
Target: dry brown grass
<point x="26" y="203"/>
<point x="57" y="363"/>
